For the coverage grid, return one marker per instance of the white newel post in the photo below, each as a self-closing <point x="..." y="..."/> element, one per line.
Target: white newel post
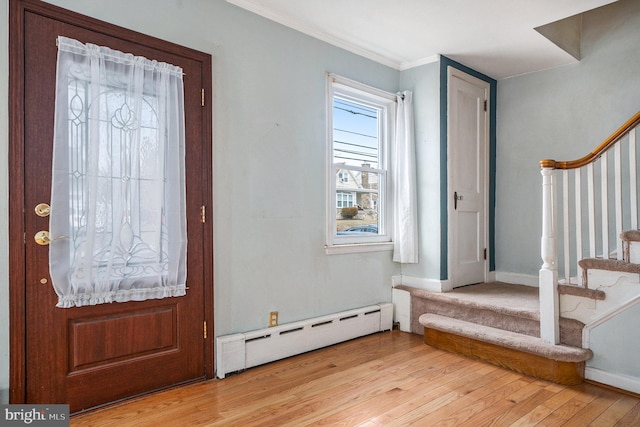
<point x="548" y="284"/>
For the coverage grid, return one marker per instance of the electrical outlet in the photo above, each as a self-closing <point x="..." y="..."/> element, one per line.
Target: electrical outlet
<point x="273" y="318"/>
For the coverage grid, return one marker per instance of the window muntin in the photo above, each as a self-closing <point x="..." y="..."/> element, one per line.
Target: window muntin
<point x="360" y="122"/>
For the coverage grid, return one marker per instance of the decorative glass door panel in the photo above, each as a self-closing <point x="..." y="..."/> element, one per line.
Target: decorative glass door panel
<point x="118" y="228"/>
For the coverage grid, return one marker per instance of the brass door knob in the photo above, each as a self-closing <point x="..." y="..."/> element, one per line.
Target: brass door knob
<point x="42" y="238"/>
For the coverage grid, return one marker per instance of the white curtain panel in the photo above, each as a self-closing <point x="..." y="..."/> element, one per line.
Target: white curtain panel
<point x="118" y="217"/>
<point x="405" y="224"/>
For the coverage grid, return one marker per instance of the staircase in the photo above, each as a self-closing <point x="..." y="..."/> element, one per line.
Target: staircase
<point x="588" y="271"/>
<point x="582" y="321"/>
<point x="499" y="323"/>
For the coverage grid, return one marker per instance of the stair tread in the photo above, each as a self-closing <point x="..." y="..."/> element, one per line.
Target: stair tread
<point x="609" y="264"/>
<point x="630" y="236"/>
<point x="580" y="291"/>
<point x="525" y="343"/>
<point x="521" y="310"/>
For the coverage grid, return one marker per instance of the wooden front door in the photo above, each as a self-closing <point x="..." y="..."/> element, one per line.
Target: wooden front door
<point x="92" y="355"/>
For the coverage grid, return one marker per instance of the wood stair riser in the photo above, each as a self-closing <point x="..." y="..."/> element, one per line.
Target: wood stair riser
<point x="634" y="252"/>
<point x="522" y="353"/>
<point x="606" y="278"/>
<point x="567" y="373"/>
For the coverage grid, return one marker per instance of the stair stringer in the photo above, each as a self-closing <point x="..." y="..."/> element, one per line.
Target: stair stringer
<point x="619" y="288"/>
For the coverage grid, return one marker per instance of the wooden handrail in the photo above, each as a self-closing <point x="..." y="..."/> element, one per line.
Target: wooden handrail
<point x="599" y="150"/>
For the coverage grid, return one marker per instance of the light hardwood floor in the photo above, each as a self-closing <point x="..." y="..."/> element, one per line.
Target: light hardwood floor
<point x="386" y="379"/>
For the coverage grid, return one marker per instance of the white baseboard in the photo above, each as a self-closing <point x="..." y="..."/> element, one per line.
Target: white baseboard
<point x="517" y="278"/>
<point x="623" y="382"/>
<point x="241" y="351"/>
<point x="491" y="276"/>
<point x="432" y="285"/>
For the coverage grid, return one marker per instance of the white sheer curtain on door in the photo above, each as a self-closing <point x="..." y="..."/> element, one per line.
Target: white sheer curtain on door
<point x="405" y="224"/>
<point x="118" y="222"/>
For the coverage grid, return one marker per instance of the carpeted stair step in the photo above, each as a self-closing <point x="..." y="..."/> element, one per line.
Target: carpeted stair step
<point x="628" y="266"/>
<point x="609" y="265"/>
<point x="501" y="313"/>
<point x="525" y="343"/>
<point x="512" y="308"/>
<point x="501" y="317"/>
<point x="519" y="352"/>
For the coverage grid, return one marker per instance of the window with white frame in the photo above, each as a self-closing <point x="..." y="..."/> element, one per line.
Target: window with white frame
<point x="360" y="126"/>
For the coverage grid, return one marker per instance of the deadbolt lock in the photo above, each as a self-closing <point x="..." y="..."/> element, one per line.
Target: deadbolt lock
<point x="42" y="238"/>
<point x="43" y="210"/>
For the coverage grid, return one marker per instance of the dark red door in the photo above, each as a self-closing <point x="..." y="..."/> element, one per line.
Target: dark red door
<point x="93" y="355"/>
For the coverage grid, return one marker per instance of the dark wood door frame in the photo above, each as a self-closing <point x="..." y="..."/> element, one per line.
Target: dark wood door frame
<point x="17" y="236"/>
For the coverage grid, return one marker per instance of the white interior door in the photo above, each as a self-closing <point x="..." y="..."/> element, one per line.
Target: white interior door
<point x="467" y="177"/>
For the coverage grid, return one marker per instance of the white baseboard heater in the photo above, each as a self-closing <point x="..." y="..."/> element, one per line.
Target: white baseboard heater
<point x="245" y="350"/>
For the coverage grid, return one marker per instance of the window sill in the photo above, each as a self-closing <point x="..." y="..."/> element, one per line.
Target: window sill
<point x="358" y="248"/>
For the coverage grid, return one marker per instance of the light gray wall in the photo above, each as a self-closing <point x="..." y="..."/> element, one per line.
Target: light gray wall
<point x="615" y="347"/>
<point x="269" y="162"/>
<point x="424" y="82"/>
<point x="562" y="114"/>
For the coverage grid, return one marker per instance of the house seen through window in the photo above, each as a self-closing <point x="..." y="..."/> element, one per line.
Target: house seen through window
<point x="359" y="137"/>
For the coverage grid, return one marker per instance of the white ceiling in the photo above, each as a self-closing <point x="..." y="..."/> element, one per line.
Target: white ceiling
<point x="495" y="37"/>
